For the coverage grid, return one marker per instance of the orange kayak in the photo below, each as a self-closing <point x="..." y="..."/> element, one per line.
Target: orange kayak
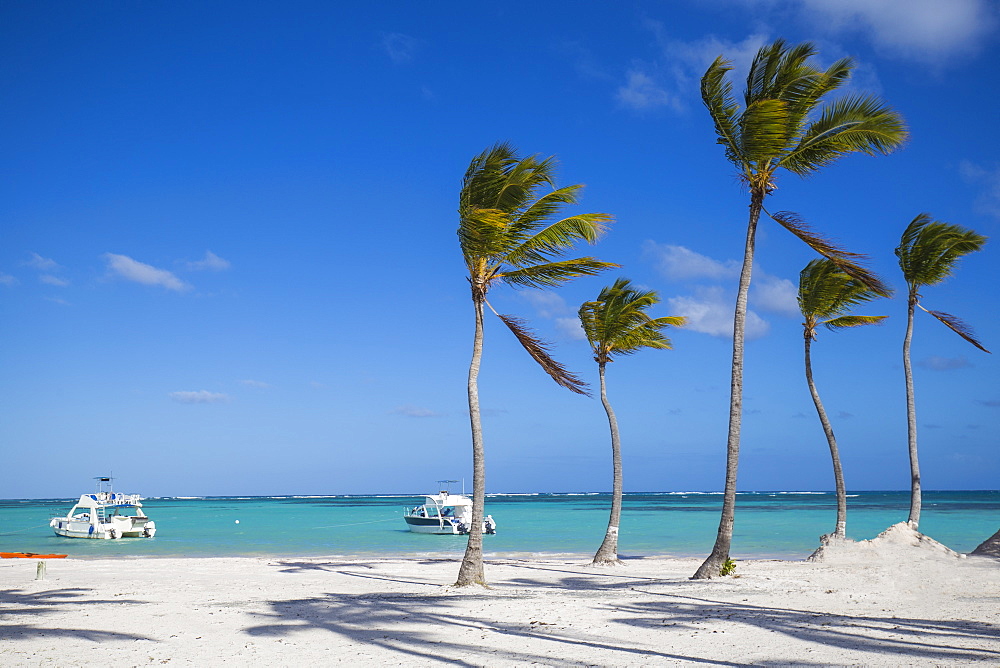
<point x="30" y="555"/>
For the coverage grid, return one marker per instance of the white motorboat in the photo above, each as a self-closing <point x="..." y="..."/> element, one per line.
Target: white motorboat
<point x="105" y="514"/>
<point x="445" y="513"/>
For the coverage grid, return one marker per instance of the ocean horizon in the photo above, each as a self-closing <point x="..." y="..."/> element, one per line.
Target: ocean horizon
<point x="769" y="524"/>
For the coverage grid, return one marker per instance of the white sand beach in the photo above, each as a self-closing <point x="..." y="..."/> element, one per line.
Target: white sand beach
<point x="867" y="607"/>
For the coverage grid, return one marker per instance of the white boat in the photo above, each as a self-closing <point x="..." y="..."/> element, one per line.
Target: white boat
<point x="445" y="513"/>
<point x="105" y="514"/>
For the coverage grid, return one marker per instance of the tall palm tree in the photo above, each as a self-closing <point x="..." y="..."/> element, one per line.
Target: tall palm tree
<point x="826" y="295"/>
<point x="508" y="234"/>
<point x="616" y="324"/>
<point x="778" y="128"/>
<point x="928" y="253"/>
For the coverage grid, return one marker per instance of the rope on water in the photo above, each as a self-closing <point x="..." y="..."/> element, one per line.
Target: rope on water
<point x="354" y="524"/>
<point x="11" y="533"/>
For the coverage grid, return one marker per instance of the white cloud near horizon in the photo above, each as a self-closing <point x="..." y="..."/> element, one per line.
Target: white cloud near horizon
<point x="198" y="397"/>
<point x="139" y="272"/>
<point x="259" y="384"/>
<point x="936" y="363"/>
<point x="7" y="279"/>
<point x="409" y="410"/>
<point x="211" y="261"/>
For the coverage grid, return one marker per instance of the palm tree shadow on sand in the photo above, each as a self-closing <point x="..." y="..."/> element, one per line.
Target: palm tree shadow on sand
<point x="386" y="621"/>
<point x="38" y="604"/>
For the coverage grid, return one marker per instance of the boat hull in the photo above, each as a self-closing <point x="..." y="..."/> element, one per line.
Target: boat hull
<point x="68" y="528"/>
<point x="431" y="525"/>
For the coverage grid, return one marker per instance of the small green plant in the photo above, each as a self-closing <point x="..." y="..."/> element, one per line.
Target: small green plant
<point x="728" y="568"/>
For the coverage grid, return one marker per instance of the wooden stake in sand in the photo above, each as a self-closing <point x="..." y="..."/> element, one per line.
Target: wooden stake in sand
<point x="40" y="571"/>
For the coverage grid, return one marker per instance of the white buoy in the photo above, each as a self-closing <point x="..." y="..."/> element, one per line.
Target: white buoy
<point x="237" y="521"/>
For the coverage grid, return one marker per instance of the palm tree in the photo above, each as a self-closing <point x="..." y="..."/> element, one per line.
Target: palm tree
<point x="617" y="324"/>
<point x="928" y="252"/>
<point x="777" y="129"/>
<point x="508" y="235"/>
<point x="826" y="294"/>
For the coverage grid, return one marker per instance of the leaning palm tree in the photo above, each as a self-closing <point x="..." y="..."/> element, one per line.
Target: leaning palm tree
<point x="508" y="235"/>
<point x="778" y="128"/>
<point x="826" y="295"/>
<point x="616" y="324"/>
<point x="928" y="252"/>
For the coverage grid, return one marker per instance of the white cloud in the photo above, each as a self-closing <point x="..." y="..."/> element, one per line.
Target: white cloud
<point x="7" y="279"/>
<point x="259" y="384"/>
<point x="414" y="411"/>
<point x="679" y="263"/>
<point x="936" y="363"/>
<point x="547" y="304"/>
<point x="210" y="261"/>
<point x="49" y="279"/>
<point x="133" y="270"/>
<point x="773" y="294"/>
<point x="710" y="311"/>
<point x="399" y="47"/>
<point x="672" y="81"/>
<point x="924" y="30"/>
<point x="641" y="91"/>
<point x="42" y="263"/>
<point x="198" y="397"/>
<point x="989" y="179"/>
<point x="571" y="328"/>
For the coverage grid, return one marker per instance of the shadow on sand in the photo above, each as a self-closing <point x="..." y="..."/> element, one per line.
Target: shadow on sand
<point x="434" y="627"/>
<point x="21" y="603"/>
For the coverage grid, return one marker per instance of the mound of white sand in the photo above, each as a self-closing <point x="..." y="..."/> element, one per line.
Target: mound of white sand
<point x="899" y="543"/>
<point x="989" y="547"/>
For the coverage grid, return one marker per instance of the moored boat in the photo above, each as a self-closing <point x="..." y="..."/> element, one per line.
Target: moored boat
<point x="105" y="514"/>
<point x="445" y="513"/>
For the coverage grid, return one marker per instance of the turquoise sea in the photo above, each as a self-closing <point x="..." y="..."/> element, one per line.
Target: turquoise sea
<point x="768" y="524"/>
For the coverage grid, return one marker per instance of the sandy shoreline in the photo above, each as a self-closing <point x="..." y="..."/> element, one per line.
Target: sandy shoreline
<point x="930" y="609"/>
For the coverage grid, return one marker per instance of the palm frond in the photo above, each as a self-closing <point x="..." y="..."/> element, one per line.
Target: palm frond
<point x="617" y="323"/>
<point x="846" y="321"/>
<point x="958" y="326"/>
<point x="552" y="274"/>
<point x="847" y="262"/>
<point x="717" y="95"/>
<point x="854" y="124"/>
<point x="556" y="238"/>
<point x="539" y="351"/>
<point x="764" y="130"/>
<point x="929" y="250"/>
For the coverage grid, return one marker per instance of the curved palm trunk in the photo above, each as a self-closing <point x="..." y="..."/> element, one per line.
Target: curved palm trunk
<point x="911" y="420"/>
<point x="608" y="552"/>
<point x="471" y="571"/>
<point x="723" y="540"/>
<point x="838" y="472"/>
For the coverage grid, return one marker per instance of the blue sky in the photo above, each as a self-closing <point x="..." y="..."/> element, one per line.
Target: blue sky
<point x="229" y="263"/>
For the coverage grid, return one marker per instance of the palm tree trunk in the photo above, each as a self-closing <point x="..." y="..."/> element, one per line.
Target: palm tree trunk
<point x="911" y="419"/>
<point x="608" y="552"/>
<point x="471" y="571"/>
<point x="838" y="472"/>
<point x="724" y="539"/>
